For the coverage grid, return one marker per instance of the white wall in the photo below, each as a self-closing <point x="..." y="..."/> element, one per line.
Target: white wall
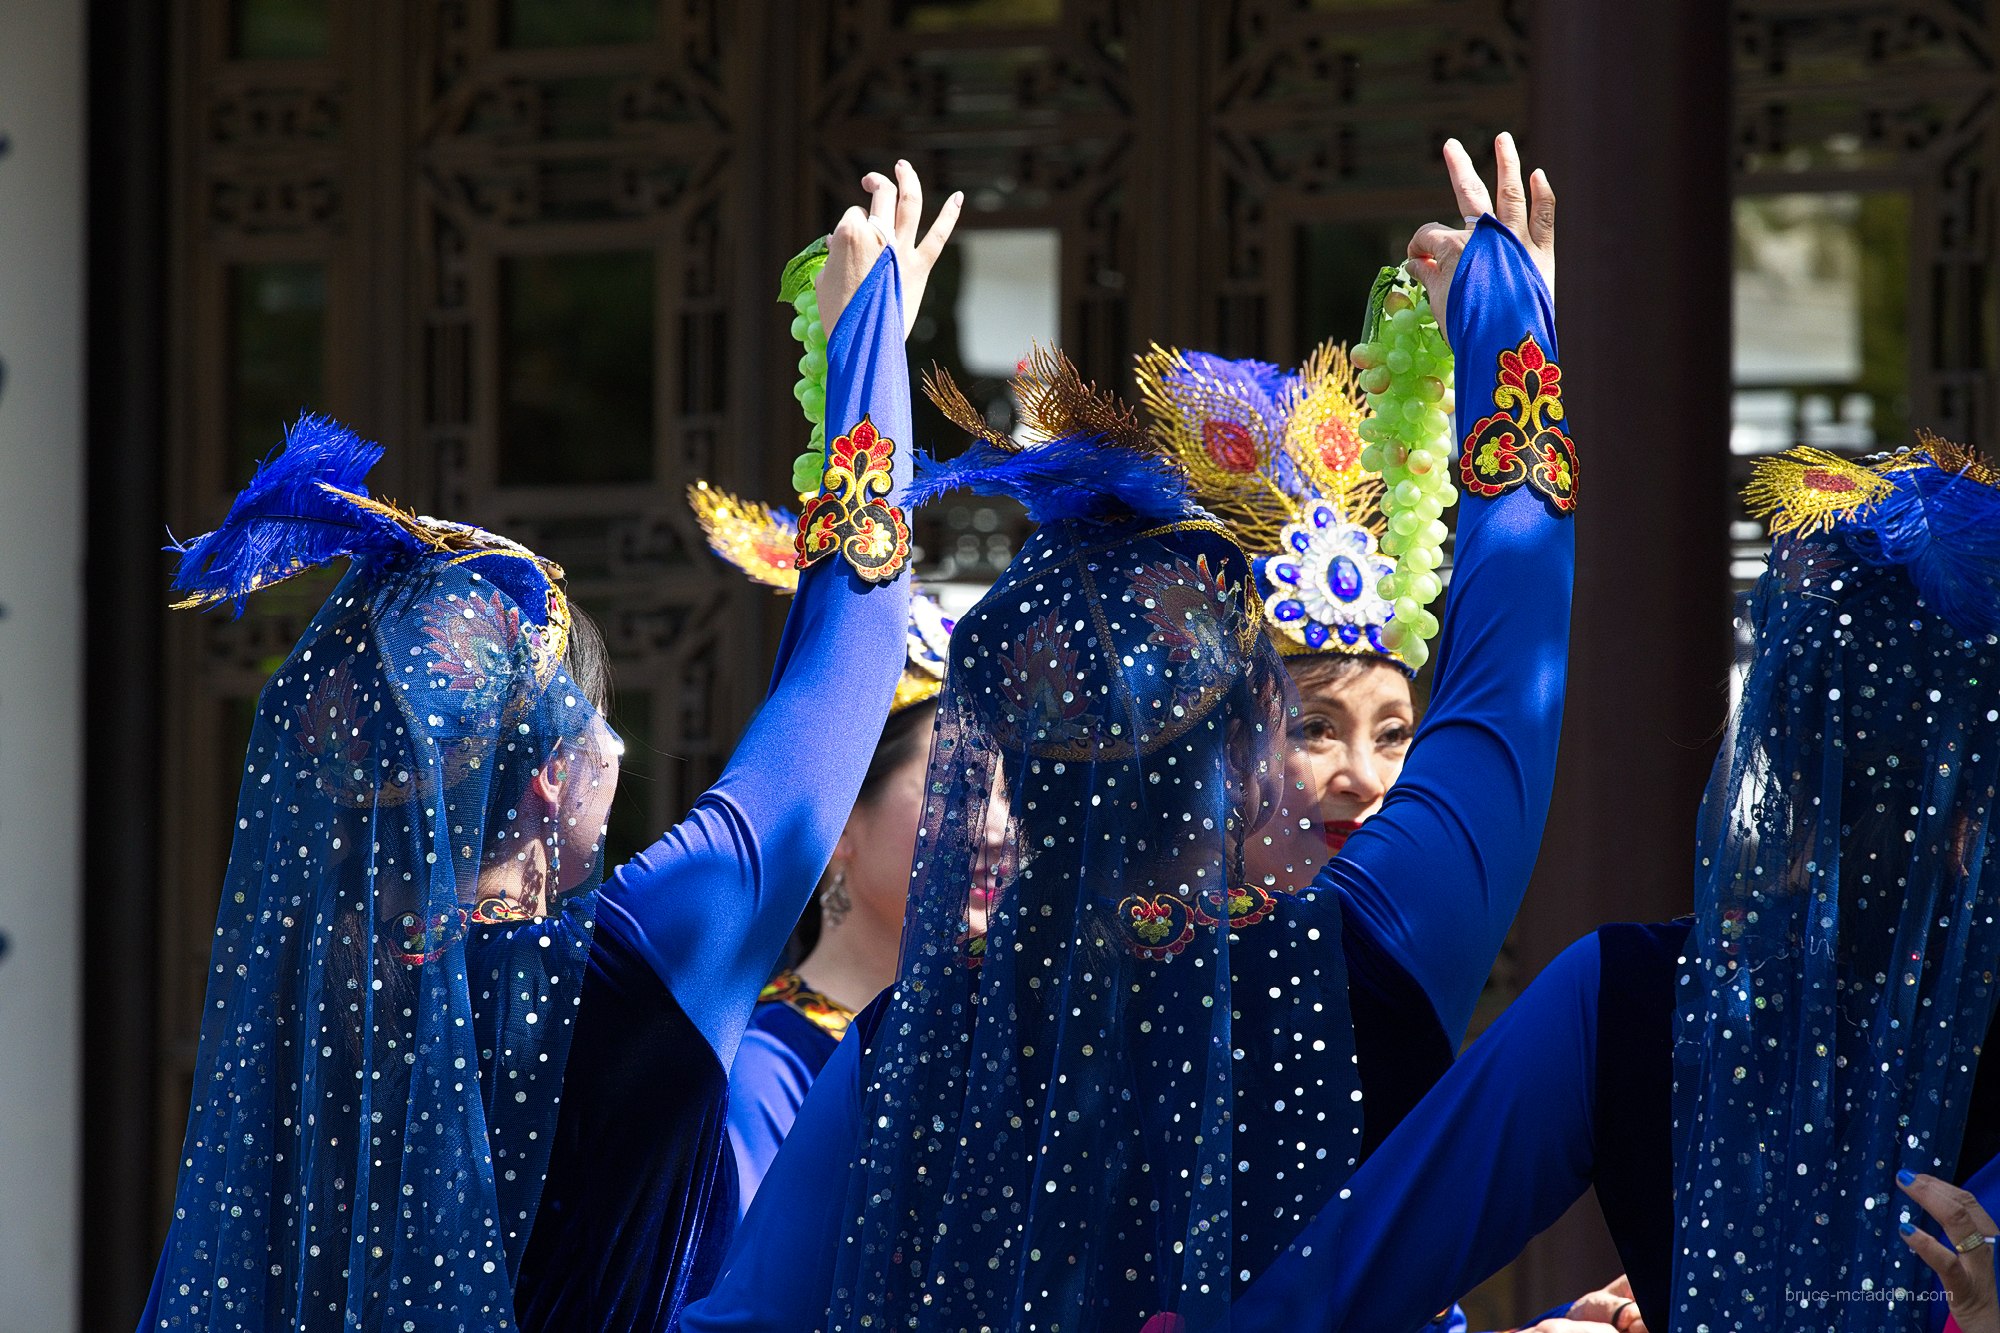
<point x="41" y="628"/>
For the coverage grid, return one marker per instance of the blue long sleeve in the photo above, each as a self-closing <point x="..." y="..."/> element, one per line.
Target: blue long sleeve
<point x="780" y="1268"/>
<point x="1438" y="873"/>
<point x="714" y="899"/>
<point x="1491" y="1157"/>
<point x="767" y="1085"/>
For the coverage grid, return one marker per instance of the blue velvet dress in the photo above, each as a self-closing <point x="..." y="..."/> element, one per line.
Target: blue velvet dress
<point x="1427" y="888"/>
<point x="1571" y="1088"/>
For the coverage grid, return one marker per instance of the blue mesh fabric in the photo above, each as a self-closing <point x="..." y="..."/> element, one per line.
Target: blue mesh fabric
<point x="1131" y="1091"/>
<point x="385" y="1032"/>
<point x="1841" y="968"/>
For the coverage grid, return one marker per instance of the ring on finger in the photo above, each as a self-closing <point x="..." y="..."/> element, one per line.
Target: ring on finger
<point x="886" y="228"/>
<point x="1974" y="1241"/>
<point x="1618" y="1315"/>
<point x="1472" y="220"/>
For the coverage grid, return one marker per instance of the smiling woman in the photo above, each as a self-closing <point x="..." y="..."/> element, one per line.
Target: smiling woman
<point x="1356" y="718"/>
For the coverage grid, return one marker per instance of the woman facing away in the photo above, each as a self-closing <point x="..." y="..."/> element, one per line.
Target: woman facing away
<point x="1119" y="1112"/>
<point x="447" y="1080"/>
<point x="1740" y="1087"/>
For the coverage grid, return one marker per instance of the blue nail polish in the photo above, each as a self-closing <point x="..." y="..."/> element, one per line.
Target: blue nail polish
<point x="1905" y="1228"/>
<point x="1906" y="1177"/>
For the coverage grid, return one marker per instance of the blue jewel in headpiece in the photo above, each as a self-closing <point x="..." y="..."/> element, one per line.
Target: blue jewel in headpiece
<point x="1277" y="457"/>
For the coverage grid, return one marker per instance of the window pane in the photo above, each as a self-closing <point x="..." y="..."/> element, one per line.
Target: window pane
<point x="278" y="29"/>
<point x="1012" y="279"/>
<point x="579" y="22"/>
<point x="576" y="369"/>
<point x="1337" y="264"/>
<point x="994" y="295"/>
<point x="1820" y="342"/>
<point x="277" y="355"/>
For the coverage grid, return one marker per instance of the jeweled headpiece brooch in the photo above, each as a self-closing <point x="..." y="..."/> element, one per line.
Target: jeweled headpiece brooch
<point x="1277" y="457"/>
<point x="309" y="505"/>
<point x="760" y="541"/>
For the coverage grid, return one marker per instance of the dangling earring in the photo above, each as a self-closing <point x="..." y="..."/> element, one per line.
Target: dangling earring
<point x="834" y="902"/>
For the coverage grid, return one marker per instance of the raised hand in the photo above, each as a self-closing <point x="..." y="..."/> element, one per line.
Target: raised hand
<point x="894" y="209"/>
<point x="1529" y="213"/>
<point x="1967" y="1265"/>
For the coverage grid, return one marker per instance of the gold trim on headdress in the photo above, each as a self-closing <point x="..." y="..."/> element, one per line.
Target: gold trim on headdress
<point x="461" y="543"/>
<point x="755" y="538"/>
<point x="1053" y="400"/>
<point x="1283" y="471"/>
<point x="760" y="541"/>
<point x="1807" y="490"/>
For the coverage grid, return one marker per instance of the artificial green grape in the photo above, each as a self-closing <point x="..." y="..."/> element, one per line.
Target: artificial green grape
<point x="1409" y="391"/>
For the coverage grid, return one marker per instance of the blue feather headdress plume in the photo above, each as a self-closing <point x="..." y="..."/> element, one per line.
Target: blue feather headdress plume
<point x="298" y="512"/>
<point x="308" y="505"/>
<point x="1089" y="456"/>
<point x="1934" y="510"/>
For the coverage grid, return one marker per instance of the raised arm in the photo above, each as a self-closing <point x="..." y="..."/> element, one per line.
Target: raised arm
<point x="1438" y="874"/>
<point x="1491" y="1157"/>
<point x="714" y="899"/>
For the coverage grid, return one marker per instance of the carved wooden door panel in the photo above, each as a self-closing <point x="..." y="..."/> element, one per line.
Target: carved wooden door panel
<point x="512" y="242"/>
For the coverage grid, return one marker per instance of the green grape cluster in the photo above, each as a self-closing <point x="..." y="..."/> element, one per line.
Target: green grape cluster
<point x="795" y="288"/>
<point x="811" y="392"/>
<point x="1406" y="371"/>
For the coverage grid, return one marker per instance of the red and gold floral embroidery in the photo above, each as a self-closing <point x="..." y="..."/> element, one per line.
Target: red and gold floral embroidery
<point x="851" y="516"/>
<point x="1519" y="445"/>
<point x="790" y="990"/>
<point x="499" y="911"/>
<point x="1157" y="927"/>
<point x="1043" y="697"/>
<point x="472" y="643"/>
<point x="419" y="941"/>
<point x="1160" y="926"/>
<point x="1242" y="906"/>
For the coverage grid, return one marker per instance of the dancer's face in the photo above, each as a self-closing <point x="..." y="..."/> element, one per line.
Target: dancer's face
<point x="588" y="781"/>
<point x="1355" y="723"/>
<point x="880" y="840"/>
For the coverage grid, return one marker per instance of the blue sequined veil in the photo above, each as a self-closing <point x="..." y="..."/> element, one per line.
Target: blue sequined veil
<point x="385" y="1032"/>
<point x="1125" y="1096"/>
<point x="1841" y="969"/>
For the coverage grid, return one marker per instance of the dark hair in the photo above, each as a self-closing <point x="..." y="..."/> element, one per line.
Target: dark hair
<point x="586" y="660"/>
<point x="901" y="735"/>
<point x="1314" y="670"/>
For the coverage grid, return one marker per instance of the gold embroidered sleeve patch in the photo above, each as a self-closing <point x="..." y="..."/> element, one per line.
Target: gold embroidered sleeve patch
<point x="851" y="516"/>
<point x="1519" y="444"/>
